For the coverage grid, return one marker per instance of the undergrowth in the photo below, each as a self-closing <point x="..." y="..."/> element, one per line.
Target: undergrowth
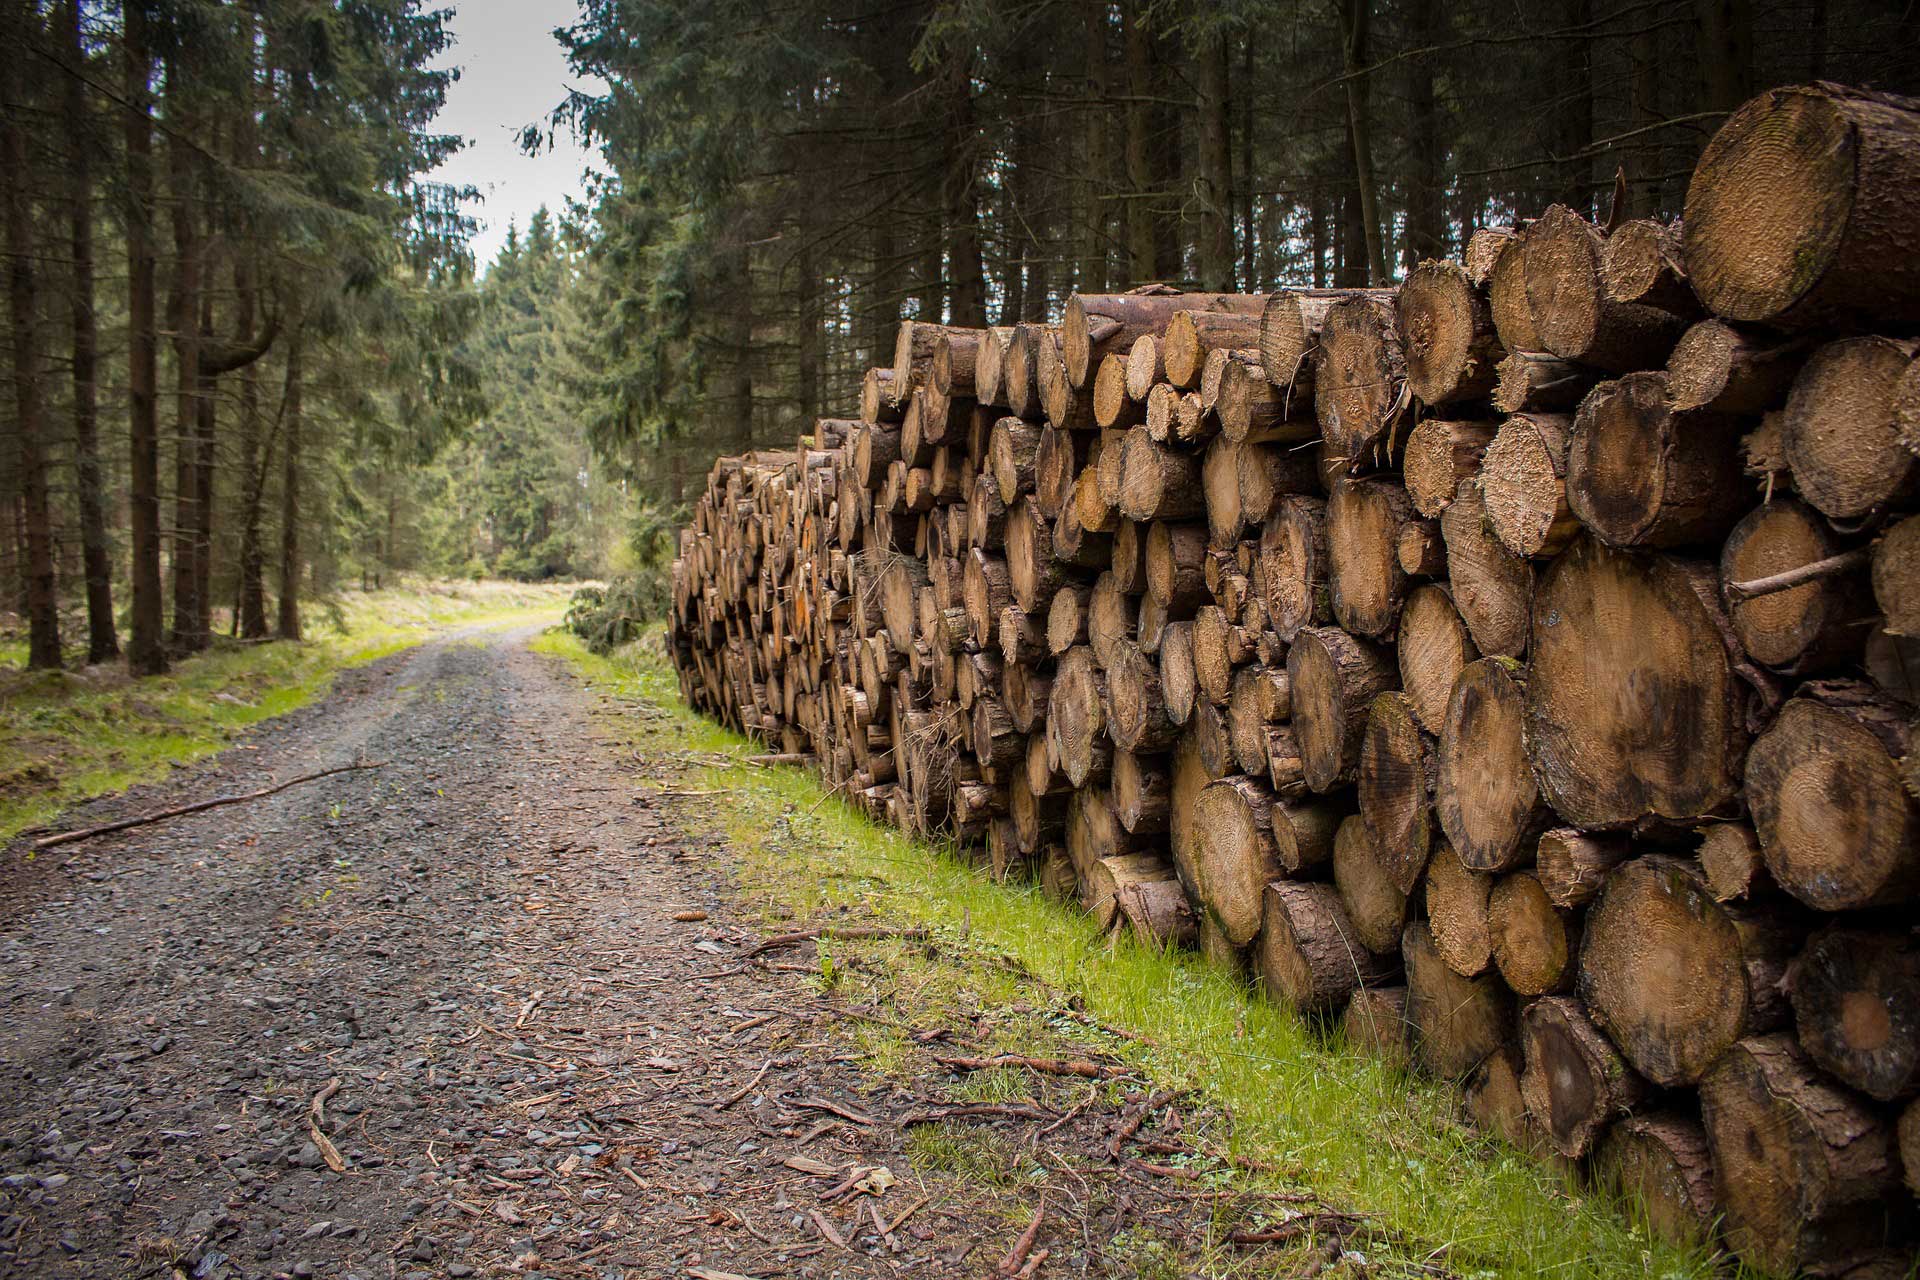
<point x="66" y="737"/>
<point x="1298" y="1101"/>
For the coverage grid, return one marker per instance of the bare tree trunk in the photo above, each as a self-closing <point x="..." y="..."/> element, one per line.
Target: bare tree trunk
<point x="1576" y="119"/>
<point x="183" y="316"/>
<point x="1643" y="91"/>
<point x="290" y="566"/>
<point x="808" y="321"/>
<point x="1426" y="217"/>
<point x="103" y="643"/>
<point x="1098" y="165"/>
<point x="1317" y="235"/>
<point x="1359" y="22"/>
<point x="205" y="430"/>
<point x="1141" y="264"/>
<point x="1250" y="280"/>
<point x="146" y="646"/>
<point x="1725" y="51"/>
<point x="968" y="293"/>
<point x="23" y="291"/>
<point x="1216" y="162"/>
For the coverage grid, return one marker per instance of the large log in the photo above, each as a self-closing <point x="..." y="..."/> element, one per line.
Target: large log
<point x="1365" y="581"/>
<point x="1856" y="1008"/>
<point x="1396" y="785"/>
<point x="1572" y="312"/>
<point x="1451" y="348"/>
<point x="1640" y="474"/>
<point x="1660" y="1163"/>
<point x="1837" y="826"/>
<point x="1675" y="977"/>
<point x="1359" y="381"/>
<point x="1334" y="679"/>
<point x="1309" y="954"/>
<point x="1596" y="691"/>
<point x="1839" y="434"/>
<point x="1804" y="1171"/>
<point x="1523" y="479"/>
<point x="1800" y="209"/>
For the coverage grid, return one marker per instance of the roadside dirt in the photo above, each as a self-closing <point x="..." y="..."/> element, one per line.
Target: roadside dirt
<point x="540" y="1070"/>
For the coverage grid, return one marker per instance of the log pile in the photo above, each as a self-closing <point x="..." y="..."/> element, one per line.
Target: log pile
<point x="1517" y="668"/>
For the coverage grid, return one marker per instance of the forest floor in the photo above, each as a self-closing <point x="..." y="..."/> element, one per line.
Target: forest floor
<point x="515" y="1003"/>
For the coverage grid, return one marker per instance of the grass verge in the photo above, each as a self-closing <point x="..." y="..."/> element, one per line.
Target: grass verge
<point x="1331" y="1119"/>
<point x="66" y="737"/>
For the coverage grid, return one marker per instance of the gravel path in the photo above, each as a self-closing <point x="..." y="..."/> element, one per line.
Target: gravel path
<point x="477" y="942"/>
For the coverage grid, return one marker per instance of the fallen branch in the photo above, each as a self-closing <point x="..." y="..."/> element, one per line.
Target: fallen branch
<point x="1015" y="1261"/>
<point x="1338" y="1224"/>
<point x="1045" y="1066"/>
<point x="1845" y="562"/>
<point x="147" y="819"/>
<point x="830" y="931"/>
<point x="821" y="1104"/>
<point x="317" y="1116"/>
<point x="1013" y="1110"/>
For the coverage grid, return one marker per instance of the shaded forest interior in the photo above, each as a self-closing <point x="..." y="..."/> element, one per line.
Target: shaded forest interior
<point x="251" y="357"/>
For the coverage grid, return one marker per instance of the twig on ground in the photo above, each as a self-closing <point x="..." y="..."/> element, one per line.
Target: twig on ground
<point x="821" y="1104"/>
<point x="831" y="931"/>
<point x="1045" y="1066"/>
<point x="1012" y="1110"/>
<point x="826" y="1228"/>
<point x="179" y="811"/>
<point x="746" y="1088"/>
<point x="1015" y="1261"/>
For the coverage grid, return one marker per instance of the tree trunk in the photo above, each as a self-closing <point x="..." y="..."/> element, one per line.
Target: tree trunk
<point x="1142" y="264"/>
<point x="1357" y="21"/>
<point x="146" y="645"/>
<point x="23" y="293"/>
<point x="1215" y="187"/>
<point x="290" y="563"/>
<point x="183" y="315"/>
<point x="103" y="641"/>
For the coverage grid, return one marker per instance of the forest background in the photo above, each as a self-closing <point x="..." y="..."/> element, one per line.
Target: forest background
<point x="251" y="358"/>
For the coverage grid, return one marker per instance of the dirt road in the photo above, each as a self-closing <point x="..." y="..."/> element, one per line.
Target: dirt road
<point x="476" y="943"/>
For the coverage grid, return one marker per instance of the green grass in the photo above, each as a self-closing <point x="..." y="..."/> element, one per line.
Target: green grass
<point x="66" y="737"/>
<point x="1364" y="1135"/>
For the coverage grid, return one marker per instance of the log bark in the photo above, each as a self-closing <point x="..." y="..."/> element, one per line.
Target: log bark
<point x="1492" y="587"/>
<point x="1728" y="370"/>
<point x="1804" y="1171"/>
<point x="1375" y="1023"/>
<point x="1595" y="690"/>
<point x="1800" y="206"/>
<point x="1335" y="678"/>
<point x="1659" y="1163"/>
<point x="1457" y="1022"/>
<point x="1839" y="435"/>
<point x="1674" y="977"/>
<point x="1838" y="829"/>
<point x="1640" y="474"/>
<point x="1191" y="335"/>
<point x="1572" y="865"/>
<point x="1310" y="957"/>
<point x="1575" y="1083"/>
<point x="1451" y="348"/>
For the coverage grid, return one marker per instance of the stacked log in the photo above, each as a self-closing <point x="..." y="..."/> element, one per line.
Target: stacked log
<point x="1515" y="669"/>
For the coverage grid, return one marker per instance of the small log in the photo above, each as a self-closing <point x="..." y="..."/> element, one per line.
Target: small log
<point x="1365" y="581"/>
<point x="1572" y="314"/>
<point x="1575" y="1083"/>
<point x="1896" y="577"/>
<point x="1191" y="335"/>
<point x="1641" y="262"/>
<point x="1572" y="865"/>
<point x="1799" y="627"/>
<point x="1375" y="1023"/>
<point x="1641" y="474"/>
<point x="1441" y="453"/>
<point x="1535" y="382"/>
<point x="1660" y="1164"/>
<point x="1077" y="717"/>
<point x="1457" y="912"/>
<point x="1839" y="433"/>
<point x="1295" y="564"/>
<point x="1485" y="793"/>
<point x="1359" y="381"/>
<point x="1523" y="478"/>
<point x="1434" y="647"/>
<point x="1309" y="955"/>
<point x="1375" y="904"/>
<point x="1492" y="587"/>
<point x="1534" y="943"/>
<point x="1396" y="784"/>
<point x="1726" y="370"/>
<point x="1452" y="350"/>
<point x="1457" y="1022"/>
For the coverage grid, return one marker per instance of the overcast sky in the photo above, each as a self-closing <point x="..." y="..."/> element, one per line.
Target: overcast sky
<point x="512" y="73"/>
